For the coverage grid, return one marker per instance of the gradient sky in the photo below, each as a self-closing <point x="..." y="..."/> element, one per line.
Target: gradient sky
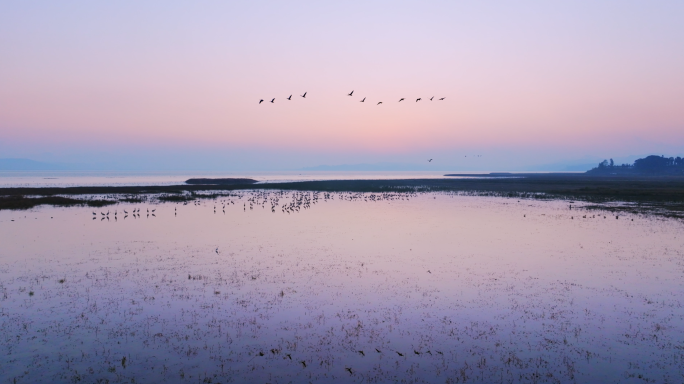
<point x="170" y="83"/>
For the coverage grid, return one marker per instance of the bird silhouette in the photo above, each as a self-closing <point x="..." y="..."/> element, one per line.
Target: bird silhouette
<point x="364" y="99"/>
<point x="429" y="161"/>
<point x="418" y="99"/>
<point x="443" y="98"/>
<point x="350" y="93"/>
<point x="272" y="100"/>
<point x="261" y="101"/>
<point x="290" y="98"/>
<point x="304" y="95"/>
<point x="379" y="103"/>
<point x="402" y="99"/>
<point x="432" y="98"/>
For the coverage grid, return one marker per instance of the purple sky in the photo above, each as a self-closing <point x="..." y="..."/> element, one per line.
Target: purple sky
<point x="165" y="84"/>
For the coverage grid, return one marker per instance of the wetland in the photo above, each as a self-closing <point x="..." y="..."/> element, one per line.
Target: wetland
<point x="279" y="286"/>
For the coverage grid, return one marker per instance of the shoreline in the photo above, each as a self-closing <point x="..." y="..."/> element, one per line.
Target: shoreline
<point x="664" y="192"/>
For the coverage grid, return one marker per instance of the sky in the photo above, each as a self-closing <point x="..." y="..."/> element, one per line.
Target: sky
<point x="171" y="84"/>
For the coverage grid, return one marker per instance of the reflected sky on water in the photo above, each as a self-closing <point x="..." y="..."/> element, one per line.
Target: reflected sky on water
<point x="279" y="287"/>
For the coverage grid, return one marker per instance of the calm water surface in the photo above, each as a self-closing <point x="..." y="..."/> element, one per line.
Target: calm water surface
<point x="340" y="288"/>
<point x="34" y="179"/>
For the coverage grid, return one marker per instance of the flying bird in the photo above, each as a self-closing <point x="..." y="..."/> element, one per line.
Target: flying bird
<point x="402" y="99"/>
<point x="418" y="99"/>
<point x="379" y="103"/>
<point x="364" y="99"/>
<point x="304" y="95"/>
<point x="429" y="161"/>
<point x="290" y="98"/>
<point x="272" y="100"/>
<point x="442" y="98"/>
<point x="432" y="98"/>
<point x="261" y="101"/>
<point x="350" y="93"/>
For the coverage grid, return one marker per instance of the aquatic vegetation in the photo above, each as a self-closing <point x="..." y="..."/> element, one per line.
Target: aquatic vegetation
<point x="271" y="286"/>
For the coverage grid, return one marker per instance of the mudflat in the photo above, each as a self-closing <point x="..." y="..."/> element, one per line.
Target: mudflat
<point x="663" y="192"/>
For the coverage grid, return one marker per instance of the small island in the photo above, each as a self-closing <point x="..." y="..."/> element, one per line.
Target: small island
<point x="650" y="165"/>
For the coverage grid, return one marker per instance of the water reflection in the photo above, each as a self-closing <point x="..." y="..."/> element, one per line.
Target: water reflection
<point x="281" y="287"/>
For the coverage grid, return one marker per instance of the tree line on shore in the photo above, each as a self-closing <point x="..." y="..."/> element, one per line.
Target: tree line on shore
<point x="647" y="165"/>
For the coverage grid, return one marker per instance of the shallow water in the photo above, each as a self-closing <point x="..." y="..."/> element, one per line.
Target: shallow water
<point x="347" y="288"/>
<point x="37" y="179"/>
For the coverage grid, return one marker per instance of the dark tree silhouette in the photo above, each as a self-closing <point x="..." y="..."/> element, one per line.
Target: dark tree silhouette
<point x="649" y="165"/>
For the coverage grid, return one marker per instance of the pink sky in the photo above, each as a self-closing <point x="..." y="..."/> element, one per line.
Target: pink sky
<point x="529" y="83"/>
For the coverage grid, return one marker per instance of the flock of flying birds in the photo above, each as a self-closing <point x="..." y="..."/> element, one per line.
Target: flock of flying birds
<point x="352" y="94"/>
